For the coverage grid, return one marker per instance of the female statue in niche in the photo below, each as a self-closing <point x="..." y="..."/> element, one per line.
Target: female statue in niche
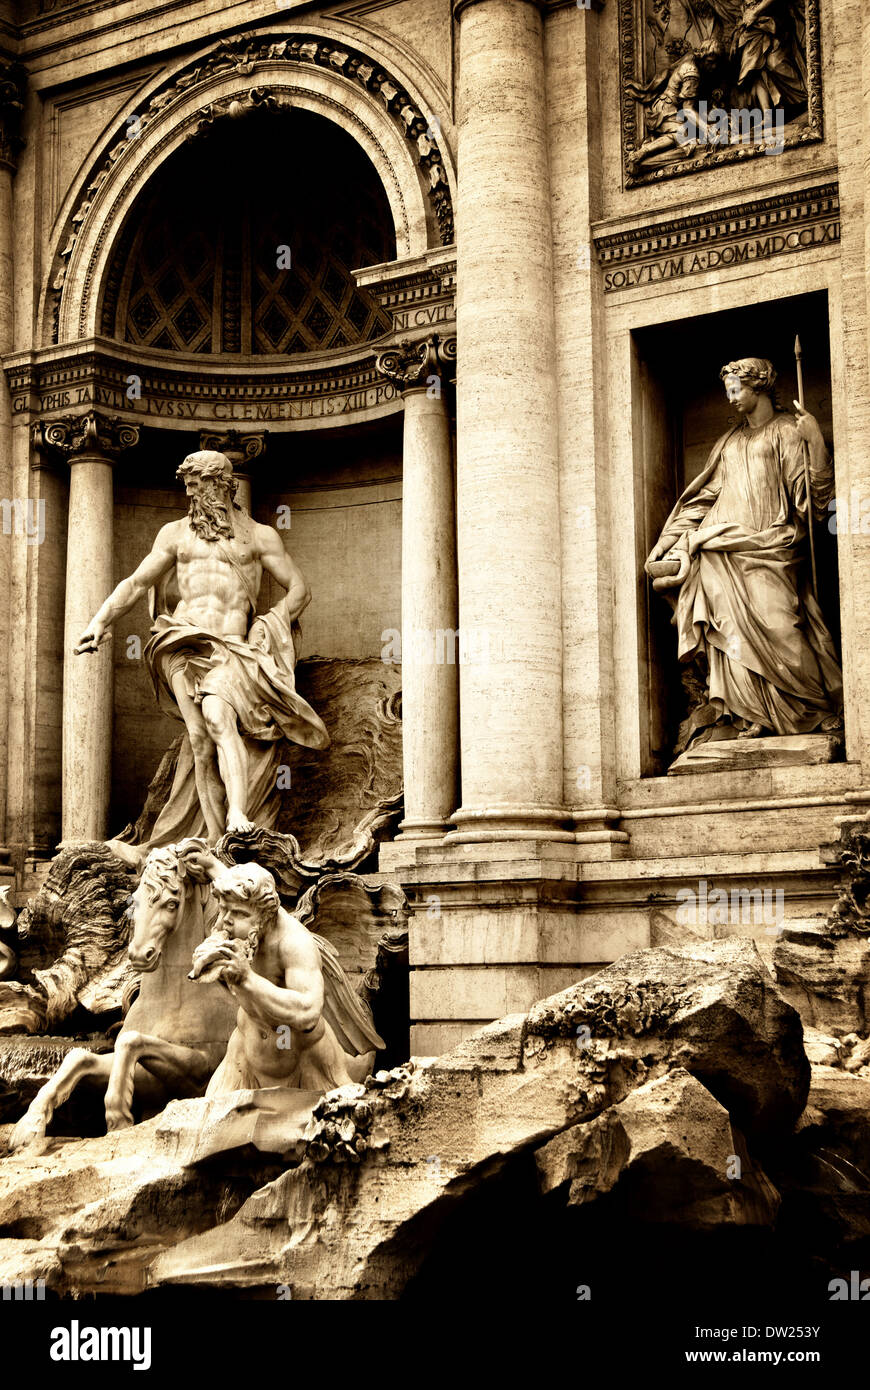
<point x="735" y="551"/>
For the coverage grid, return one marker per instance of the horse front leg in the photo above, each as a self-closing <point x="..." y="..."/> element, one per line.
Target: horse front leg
<point x="171" y="1062"/>
<point x="76" y="1064"/>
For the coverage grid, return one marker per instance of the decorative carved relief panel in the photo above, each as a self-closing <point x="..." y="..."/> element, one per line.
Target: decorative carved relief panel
<point x="706" y="82"/>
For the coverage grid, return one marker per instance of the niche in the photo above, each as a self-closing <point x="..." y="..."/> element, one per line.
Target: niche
<point x="679" y="411"/>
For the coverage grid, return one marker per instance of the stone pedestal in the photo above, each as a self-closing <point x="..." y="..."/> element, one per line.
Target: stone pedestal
<point x="90" y="444"/>
<point x="431" y="646"/>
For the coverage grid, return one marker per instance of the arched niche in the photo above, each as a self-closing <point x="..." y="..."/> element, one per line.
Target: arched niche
<point x="267" y="270"/>
<point x="231" y="82"/>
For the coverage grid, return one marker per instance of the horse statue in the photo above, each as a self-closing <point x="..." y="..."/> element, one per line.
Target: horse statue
<point x="177" y="1030"/>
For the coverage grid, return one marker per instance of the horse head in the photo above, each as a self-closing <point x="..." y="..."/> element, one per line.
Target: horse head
<point x="158" y="904"/>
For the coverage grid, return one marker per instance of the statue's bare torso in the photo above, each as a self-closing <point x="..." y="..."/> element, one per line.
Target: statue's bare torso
<point x="213" y="595"/>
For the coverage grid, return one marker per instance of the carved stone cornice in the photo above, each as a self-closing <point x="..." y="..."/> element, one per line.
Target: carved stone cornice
<point x="12" y="82"/>
<point x="754" y="230"/>
<point x="186" y="392"/>
<point x="411" y="365"/>
<point x="241" y="447"/>
<point x="89" y="434"/>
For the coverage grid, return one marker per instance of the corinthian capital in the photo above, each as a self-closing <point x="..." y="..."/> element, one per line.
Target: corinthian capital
<point x="12" y="80"/>
<point x="241" y="447"/>
<point x="90" y="433"/>
<point x="412" y="365"/>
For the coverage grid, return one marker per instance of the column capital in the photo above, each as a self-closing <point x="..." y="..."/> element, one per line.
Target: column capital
<point x="12" y="82"/>
<point x="411" y="364"/>
<point x="241" y="447"/>
<point x="88" y="434"/>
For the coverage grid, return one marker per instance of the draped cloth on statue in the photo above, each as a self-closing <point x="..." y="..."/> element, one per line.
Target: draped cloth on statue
<point x="746" y="603"/>
<point x="255" y="676"/>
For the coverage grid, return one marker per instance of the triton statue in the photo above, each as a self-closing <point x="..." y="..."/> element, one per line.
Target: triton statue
<point x="736" y="548"/>
<point x="225" y="672"/>
<point x="299" y="1022"/>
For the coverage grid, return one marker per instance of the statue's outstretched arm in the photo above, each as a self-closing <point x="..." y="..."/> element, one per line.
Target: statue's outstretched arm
<point x="122" y="598"/>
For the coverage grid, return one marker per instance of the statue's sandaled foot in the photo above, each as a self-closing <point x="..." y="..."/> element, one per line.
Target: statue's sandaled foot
<point x="832" y="724"/>
<point x="238" y="823"/>
<point x="754" y="731"/>
<point x="29" y="1133"/>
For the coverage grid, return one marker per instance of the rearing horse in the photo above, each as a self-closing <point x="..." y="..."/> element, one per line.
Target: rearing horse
<point x="177" y="1030"/>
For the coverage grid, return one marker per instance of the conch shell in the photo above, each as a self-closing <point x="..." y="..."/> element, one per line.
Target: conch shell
<point x="208" y="960"/>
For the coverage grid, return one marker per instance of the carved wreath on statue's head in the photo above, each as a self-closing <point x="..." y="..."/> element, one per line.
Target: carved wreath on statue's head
<point x="709" y="81"/>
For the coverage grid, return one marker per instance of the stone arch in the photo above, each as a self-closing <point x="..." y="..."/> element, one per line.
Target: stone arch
<point x="304" y="69"/>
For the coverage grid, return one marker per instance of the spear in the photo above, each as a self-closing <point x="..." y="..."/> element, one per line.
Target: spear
<point x="798" y="356"/>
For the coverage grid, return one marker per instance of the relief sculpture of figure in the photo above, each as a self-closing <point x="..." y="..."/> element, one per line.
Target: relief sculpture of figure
<point x="227" y="674"/>
<point x="299" y="1022"/>
<point x="667" y="98"/>
<point x="766" y="48"/>
<point x="735" y="545"/>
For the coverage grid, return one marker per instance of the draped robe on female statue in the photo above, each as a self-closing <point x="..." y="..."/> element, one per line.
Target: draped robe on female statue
<point x="746" y="603"/>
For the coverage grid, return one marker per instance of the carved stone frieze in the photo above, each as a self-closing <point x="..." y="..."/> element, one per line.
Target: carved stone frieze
<point x="714" y="240"/>
<point x="89" y="433"/>
<point x="708" y="82"/>
<point x="182" y="392"/>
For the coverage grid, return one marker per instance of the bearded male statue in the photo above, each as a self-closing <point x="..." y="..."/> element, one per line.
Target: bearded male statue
<point x="226" y="673"/>
<point x="735" y="549"/>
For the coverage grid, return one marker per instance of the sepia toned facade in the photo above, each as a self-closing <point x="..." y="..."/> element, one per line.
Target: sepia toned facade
<point x="452" y="287"/>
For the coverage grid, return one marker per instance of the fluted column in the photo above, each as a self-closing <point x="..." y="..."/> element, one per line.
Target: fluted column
<point x="241" y="448"/>
<point x="90" y="444"/>
<point x="431" y="645"/>
<point x="507" y="454"/>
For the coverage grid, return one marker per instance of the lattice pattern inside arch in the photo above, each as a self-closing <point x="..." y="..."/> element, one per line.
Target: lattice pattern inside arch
<point x="192" y="278"/>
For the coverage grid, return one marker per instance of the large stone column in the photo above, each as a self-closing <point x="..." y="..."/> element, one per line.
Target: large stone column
<point x="11" y="105"/>
<point x="431" y="646"/>
<point x="507" y="445"/>
<point x="90" y="443"/>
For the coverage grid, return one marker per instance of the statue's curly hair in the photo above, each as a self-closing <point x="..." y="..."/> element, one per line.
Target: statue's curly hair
<point x="247" y="883"/>
<point x="208" y="463"/>
<point x="759" y="372"/>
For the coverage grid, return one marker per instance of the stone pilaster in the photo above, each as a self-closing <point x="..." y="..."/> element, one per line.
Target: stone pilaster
<point x="241" y="448"/>
<point x="507" y="435"/>
<point x="431" y="646"/>
<point x="90" y="443"/>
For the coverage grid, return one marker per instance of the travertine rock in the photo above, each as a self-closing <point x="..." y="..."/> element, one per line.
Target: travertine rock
<point x="383" y="1162"/>
<point x="825" y="969"/>
<point x="673" y="1148"/>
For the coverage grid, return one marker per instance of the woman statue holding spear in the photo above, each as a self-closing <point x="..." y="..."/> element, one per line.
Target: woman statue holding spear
<point x="737" y="543"/>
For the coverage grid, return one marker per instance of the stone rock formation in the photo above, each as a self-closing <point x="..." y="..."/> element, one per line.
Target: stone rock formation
<point x="674" y="1062"/>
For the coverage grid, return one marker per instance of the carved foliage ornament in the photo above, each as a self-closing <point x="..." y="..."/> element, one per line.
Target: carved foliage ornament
<point x="412" y="364"/>
<point x="244" y="55"/>
<point x="707" y="82"/>
<point x="91" y="433"/>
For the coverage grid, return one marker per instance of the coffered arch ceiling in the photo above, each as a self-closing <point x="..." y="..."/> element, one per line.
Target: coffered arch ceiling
<point x="201" y="266"/>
